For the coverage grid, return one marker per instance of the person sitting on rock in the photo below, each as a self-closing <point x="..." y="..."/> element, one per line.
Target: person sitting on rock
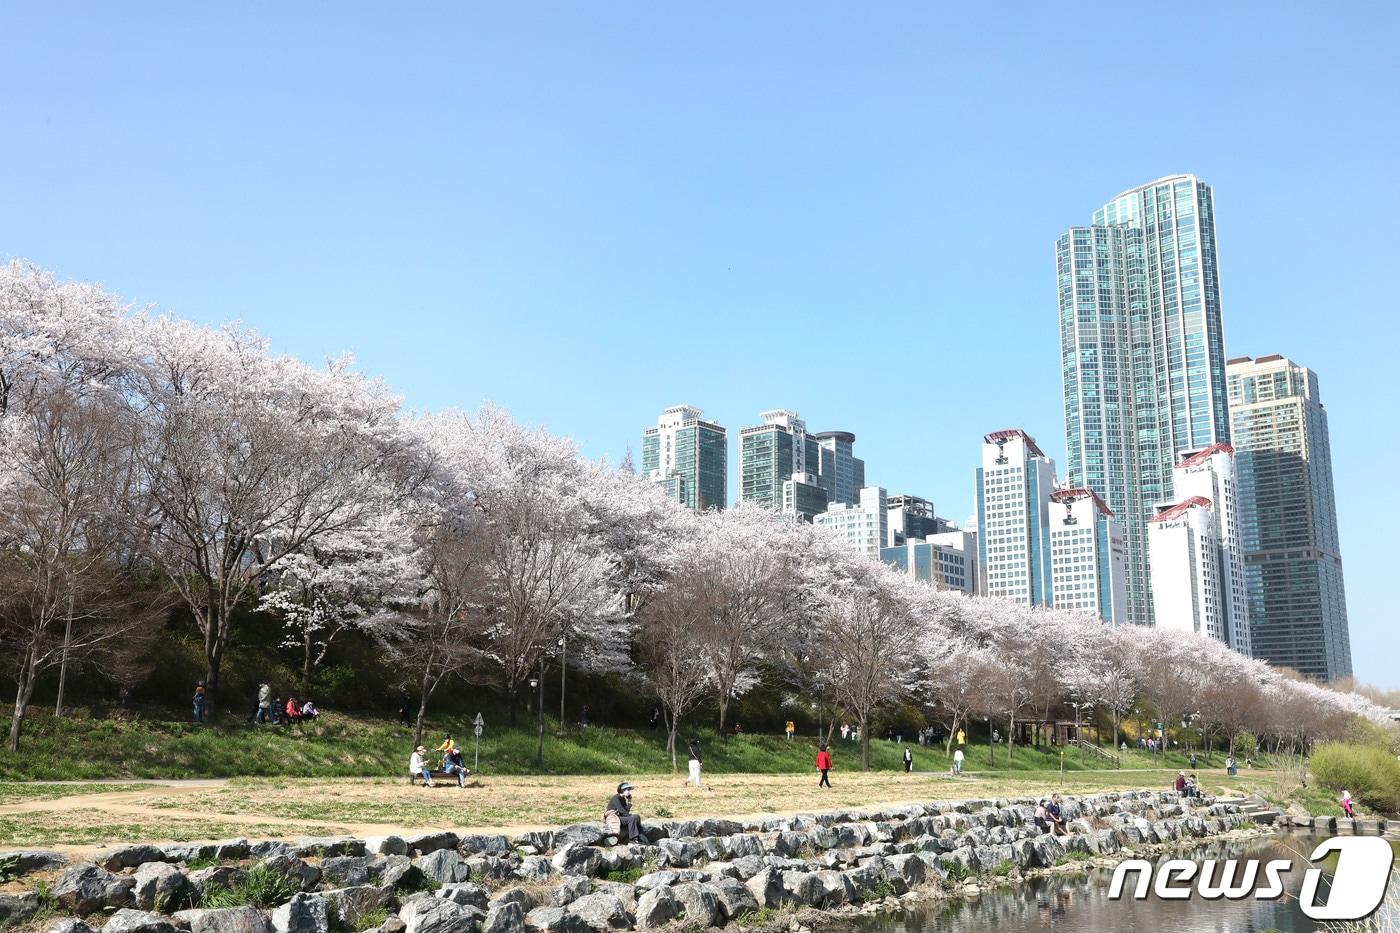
<point x="628" y="824"/>
<point x="1055" y="817"/>
<point x="1042" y="819"/>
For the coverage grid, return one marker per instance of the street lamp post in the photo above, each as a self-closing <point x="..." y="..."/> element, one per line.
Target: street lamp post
<point x="991" y="749"/>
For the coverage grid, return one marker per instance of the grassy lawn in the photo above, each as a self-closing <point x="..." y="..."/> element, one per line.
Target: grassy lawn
<point x="16" y="793"/>
<point x="344" y="746"/>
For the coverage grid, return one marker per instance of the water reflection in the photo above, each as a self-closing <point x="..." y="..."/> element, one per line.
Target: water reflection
<point x="1070" y="904"/>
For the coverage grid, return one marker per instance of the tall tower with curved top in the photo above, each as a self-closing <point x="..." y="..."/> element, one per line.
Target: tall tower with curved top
<point x="1142" y="353"/>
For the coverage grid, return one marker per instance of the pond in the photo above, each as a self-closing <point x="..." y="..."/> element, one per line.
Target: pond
<point x="1075" y="903"/>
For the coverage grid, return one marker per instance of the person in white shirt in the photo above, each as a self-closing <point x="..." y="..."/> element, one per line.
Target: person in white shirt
<point x="416" y="765"/>
<point x="957" y="761"/>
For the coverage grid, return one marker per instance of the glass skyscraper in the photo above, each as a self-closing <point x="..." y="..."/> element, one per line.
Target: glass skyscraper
<point x="1142" y="353"/>
<point x="688" y="456"/>
<point x="1292" y="553"/>
<point x="779" y="464"/>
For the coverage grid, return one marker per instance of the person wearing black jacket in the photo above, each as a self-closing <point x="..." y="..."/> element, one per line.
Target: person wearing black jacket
<point x="695" y="760"/>
<point x="908" y="761"/>
<point x="629" y="825"/>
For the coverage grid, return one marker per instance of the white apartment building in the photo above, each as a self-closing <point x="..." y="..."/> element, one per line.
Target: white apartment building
<point x="1197" y="551"/>
<point x="948" y="559"/>
<point x="1014" y="484"/>
<point x="863" y="526"/>
<point x="1088" y="556"/>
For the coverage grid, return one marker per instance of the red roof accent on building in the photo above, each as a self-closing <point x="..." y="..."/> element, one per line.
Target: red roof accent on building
<point x="1201" y="456"/>
<point x="1181" y="507"/>
<point x="1238" y="359"/>
<point x="1271" y="358"/>
<point x="1061" y="495"/>
<point x="1000" y="437"/>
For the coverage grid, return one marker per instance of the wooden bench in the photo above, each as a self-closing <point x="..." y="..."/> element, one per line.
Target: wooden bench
<point x="438" y="775"/>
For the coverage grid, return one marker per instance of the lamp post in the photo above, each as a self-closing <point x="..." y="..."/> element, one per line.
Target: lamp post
<point x="563" y="667"/>
<point x="991" y="749"/>
<point x="539" y="737"/>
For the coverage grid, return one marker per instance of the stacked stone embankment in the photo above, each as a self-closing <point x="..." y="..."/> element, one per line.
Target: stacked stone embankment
<point x="577" y="878"/>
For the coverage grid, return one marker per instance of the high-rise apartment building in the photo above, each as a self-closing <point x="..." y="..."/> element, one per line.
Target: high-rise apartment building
<point x="1014" y="485"/>
<point x="863" y="525"/>
<point x="1142" y="353"/>
<point x="688" y="456"/>
<point x="778" y="465"/>
<point x="1293" y="561"/>
<point x="1197" y="551"/>
<point x="842" y="473"/>
<point x="913" y="517"/>
<point x="1088" y="556"/>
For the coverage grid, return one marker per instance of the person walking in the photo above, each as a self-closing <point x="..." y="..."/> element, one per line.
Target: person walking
<point x="655" y="718"/>
<point x="583" y="716"/>
<point x="264" y="713"/>
<point x="199" y="700"/>
<point x="694" y="763"/>
<point x="962" y="737"/>
<point x="957" y="761"/>
<point x="790" y="729"/>
<point x="1347" y="806"/>
<point x="1193" y="761"/>
<point x="1230" y="767"/>
<point x="908" y="761"/>
<point x="824" y="766"/>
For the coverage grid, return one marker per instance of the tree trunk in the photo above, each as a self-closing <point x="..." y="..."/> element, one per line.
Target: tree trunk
<point x="864" y="742"/>
<point x="306" y="665"/>
<point x="63" y="662"/>
<point x="511" y="700"/>
<point x="1010" y="735"/>
<point x="723" y="709"/>
<point x="25" y="690"/>
<point x="423" y="692"/>
<point x="673" y="723"/>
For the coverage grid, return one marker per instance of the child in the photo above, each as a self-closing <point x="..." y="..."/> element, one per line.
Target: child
<point x="1347" y="807"/>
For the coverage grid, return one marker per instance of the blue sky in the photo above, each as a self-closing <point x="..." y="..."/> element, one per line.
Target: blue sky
<point x="587" y="213"/>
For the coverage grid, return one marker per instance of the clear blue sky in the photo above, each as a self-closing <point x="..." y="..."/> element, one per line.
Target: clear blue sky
<point x="588" y="212"/>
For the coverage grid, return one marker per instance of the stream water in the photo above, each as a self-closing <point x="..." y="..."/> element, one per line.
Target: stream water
<point x="1079" y="903"/>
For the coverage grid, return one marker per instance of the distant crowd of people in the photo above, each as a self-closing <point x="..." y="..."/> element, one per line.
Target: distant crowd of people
<point x="271" y="709"/>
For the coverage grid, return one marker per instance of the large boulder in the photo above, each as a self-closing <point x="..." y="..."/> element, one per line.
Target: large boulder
<point x="908" y="867"/>
<point x="69" y="925"/>
<point x="582" y="834"/>
<point x="326" y="846"/>
<point x="534" y="868"/>
<point x="656" y="908"/>
<point x="160" y="886"/>
<point x="352" y="903"/>
<point x="128" y="856"/>
<point x="302" y="874"/>
<point x="346" y="870"/>
<point x="85" y="889"/>
<point x="18" y="907"/>
<point x="243" y="919"/>
<point x="570" y="889"/>
<point x="576" y="859"/>
<point x="493" y="867"/>
<point x="127" y="920"/>
<point x="836" y="888"/>
<point x="803" y="888"/>
<point x="484" y="845"/>
<point x="734" y="899"/>
<point x="432" y="842"/>
<point x="232" y="849"/>
<point x="386" y="845"/>
<point x="24" y="861"/>
<point x="698" y="904"/>
<point x="438" y="915"/>
<point x="506" y="918"/>
<point x="601" y="912"/>
<point x="667" y="877"/>
<point x="554" y="920"/>
<point x="188" y="851"/>
<point x="444" y="866"/>
<point x="304" y="913"/>
<point x="218" y="876"/>
<point x="766" y="886"/>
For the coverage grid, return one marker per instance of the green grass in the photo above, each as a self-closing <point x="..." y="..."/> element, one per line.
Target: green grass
<point x="18" y="793"/>
<point x="261" y="888"/>
<point x="94" y="827"/>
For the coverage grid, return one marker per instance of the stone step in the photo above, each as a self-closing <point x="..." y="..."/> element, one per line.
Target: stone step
<point x="1265" y="817"/>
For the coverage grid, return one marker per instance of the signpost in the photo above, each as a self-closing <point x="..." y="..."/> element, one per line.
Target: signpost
<point x="476" y="760"/>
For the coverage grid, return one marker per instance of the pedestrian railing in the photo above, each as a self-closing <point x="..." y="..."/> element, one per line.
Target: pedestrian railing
<point x="1098" y="751"/>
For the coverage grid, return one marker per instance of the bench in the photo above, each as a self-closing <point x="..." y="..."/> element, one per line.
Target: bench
<point x="438" y="775"/>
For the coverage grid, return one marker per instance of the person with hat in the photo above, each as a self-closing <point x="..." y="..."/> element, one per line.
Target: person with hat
<point x="1180" y="781"/>
<point x="629" y="824"/>
<point x="416" y="765"/>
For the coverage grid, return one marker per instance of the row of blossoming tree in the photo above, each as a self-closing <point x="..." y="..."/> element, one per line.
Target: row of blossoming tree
<point x="151" y="463"/>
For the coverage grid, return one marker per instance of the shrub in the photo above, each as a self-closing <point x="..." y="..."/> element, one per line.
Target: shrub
<point x="1246" y="745"/>
<point x="262" y="888"/>
<point x="1370" y="772"/>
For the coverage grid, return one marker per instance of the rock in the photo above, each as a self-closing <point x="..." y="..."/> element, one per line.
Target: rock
<point x="570" y="890"/>
<point x="698" y="905"/>
<point x="465" y="894"/>
<point x="656" y="908"/>
<point x="232" y="850"/>
<point x="352" y="903"/>
<point x="554" y="920"/>
<point x="345" y="871"/>
<point x="444" y="866"/>
<point x="393" y="868"/>
<point x="304" y="913"/>
<point x="85" y="888"/>
<point x="301" y="874"/>
<point x="909" y="868"/>
<point x="260" y="851"/>
<point x="766" y="886"/>
<point x="17" y="908"/>
<point x="576" y="859"/>
<point x="326" y="846"/>
<point x="618" y="889"/>
<point x="747" y="866"/>
<point x="668" y="877"/>
<point x="802" y="888"/>
<point x="243" y="919"/>
<point x="24" y="861"/>
<point x="484" y="845"/>
<point x="493" y="867"/>
<point x="507" y="918"/>
<point x="127" y="920"/>
<point x="960" y="861"/>
<point x="534" y="868"/>
<point x="128" y="856"/>
<point x="431" y="842"/>
<point x="69" y="925"/>
<point x="600" y="912"/>
<point x="438" y="915"/>
<point x="188" y="851"/>
<point x="386" y="845"/>
<point x="734" y="899"/>
<point x="836" y="888"/>
<point x="160" y="886"/>
<point x="527" y="899"/>
<point x="582" y="834"/>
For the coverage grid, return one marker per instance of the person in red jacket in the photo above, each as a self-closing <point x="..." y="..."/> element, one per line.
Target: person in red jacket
<point x="823" y="765"/>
